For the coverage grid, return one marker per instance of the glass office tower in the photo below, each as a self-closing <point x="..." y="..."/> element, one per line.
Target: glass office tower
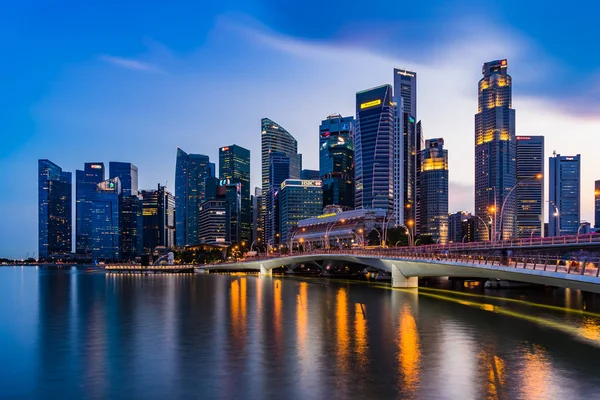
<point x="530" y="191"/>
<point x="234" y="164"/>
<point x="190" y="172"/>
<point x="434" y="188"/>
<point x="373" y="148"/>
<point x="336" y="161"/>
<point x="495" y="152"/>
<point x="54" y="211"/>
<point x="565" y="196"/>
<point x="105" y="221"/>
<point x="86" y="182"/>
<point x="128" y="176"/>
<point x="131" y="228"/>
<point x="298" y="199"/>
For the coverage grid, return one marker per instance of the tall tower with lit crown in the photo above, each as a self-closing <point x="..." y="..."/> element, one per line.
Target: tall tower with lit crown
<point x="495" y="153"/>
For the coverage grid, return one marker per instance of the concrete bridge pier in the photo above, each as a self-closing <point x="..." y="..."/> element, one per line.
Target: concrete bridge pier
<point x="400" y="281"/>
<point x="264" y="271"/>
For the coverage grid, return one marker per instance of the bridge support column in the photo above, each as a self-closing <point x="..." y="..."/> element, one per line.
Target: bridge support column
<point x="400" y="281"/>
<point x="264" y="271"/>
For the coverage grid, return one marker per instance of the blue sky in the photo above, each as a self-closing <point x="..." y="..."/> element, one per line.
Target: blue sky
<point x="131" y="81"/>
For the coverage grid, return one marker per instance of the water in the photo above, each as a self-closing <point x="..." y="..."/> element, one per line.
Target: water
<point x="75" y="334"/>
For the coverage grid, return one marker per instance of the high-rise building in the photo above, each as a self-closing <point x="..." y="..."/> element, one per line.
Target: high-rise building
<point x="276" y="139"/>
<point x="309" y="174"/>
<point x="434" y="187"/>
<point x="87" y="181"/>
<point x="530" y="189"/>
<point x="127" y="174"/>
<point x="106" y="243"/>
<point x="407" y="147"/>
<point x="213" y="222"/>
<point x="564" y="195"/>
<point x="336" y="161"/>
<point x="279" y="171"/>
<point x="420" y="144"/>
<point x="54" y="211"/>
<point x="495" y="152"/>
<point x="298" y="199"/>
<point x="234" y="164"/>
<point x="597" y="204"/>
<point x="132" y="227"/>
<point x="190" y="172"/>
<point x="158" y="210"/>
<point x="230" y="193"/>
<point x="373" y="149"/>
<point x="258" y="216"/>
<point x="461" y="227"/>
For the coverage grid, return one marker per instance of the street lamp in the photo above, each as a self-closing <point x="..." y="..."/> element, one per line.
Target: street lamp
<point x="386" y="221"/>
<point x="328" y="230"/>
<point x="556" y="215"/>
<point x="538" y="176"/>
<point x="292" y="238"/>
<point x="489" y="230"/>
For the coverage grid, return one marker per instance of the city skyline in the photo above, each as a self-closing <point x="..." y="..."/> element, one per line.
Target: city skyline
<point x="87" y="128"/>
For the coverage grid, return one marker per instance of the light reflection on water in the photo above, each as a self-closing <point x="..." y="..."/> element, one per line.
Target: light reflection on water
<point x="90" y="335"/>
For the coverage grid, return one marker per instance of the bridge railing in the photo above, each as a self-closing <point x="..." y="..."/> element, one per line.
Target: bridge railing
<point x="580" y="265"/>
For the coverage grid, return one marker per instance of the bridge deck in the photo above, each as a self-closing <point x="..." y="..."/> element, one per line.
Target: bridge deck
<point x="131" y="268"/>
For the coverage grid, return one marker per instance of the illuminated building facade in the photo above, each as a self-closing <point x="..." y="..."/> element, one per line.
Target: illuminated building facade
<point x="564" y="195"/>
<point x="128" y="176"/>
<point x="85" y="190"/>
<point x="190" y="172"/>
<point x="434" y="188"/>
<point x="279" y="171"/>
<point x="54" y="211"/>
<point x="213" y="222"/>
<point x="258" y="215"/>
<point x="105" y="221"/>
<point x="132" y="227"/>
<point x="298" y="200"/>
<point x="373" y="149"/>
<point x="530" y="191"/>
<point x="597" y="204"/>
<point x="495" y="151"/>
<point x="336" y="161"/>
<point x="234" y="165"/>
<point x="407" y="146"/>
<point x="461" y="227"/>
<point x="230" y="193"/>
<point x="158" y="214"/>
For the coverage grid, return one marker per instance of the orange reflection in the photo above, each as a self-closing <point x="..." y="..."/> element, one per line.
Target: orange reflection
<point x="590" y="328"/>
<point x="238" y="308"/>
<point x="341" y="329"/>
<point x="277" y="308"/>
<point x="536" y="373"/>
<point x="492" y="368"/>
<point x="302" y="317"/>
<point x="360" y="334"/>
<point x="409" y="353"/>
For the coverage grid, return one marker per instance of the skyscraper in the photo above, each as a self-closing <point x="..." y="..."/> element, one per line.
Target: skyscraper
<point x="54" y="211"/>
<point x="434" y="187"/>
<point x="131" y="227"/>
<point x="127" y="174"/>
<point x="158" y="207"/>
<point x="565" y="197"/>
<point x="275" y="138"/>
<point x="279" y="171"/>
<point x="373" y="148"/>
<point x="234" y="164"/>
<point x="230" y="194"/>
<point x="190" y="172"/>
<point x="336" y="161"/>
<point x="597" y="204"/>
<point x="495" y="151"/>
<point x="258" y="215"/>
<point x="407" y="146"/>
<point x="106" y="233"/>
<point x="299" y="199"/>
<point x="86" y="184"/>
<point x="309" y="174"/>
<point x="530" y="190"/>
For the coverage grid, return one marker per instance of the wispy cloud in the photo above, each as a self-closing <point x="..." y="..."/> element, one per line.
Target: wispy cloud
<point x="130" y="64"/>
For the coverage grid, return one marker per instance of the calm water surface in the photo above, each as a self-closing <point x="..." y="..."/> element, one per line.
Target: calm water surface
<point x="76" y="334"/>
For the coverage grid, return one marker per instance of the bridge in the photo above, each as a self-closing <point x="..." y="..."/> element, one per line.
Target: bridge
<point x="406" y="265"/>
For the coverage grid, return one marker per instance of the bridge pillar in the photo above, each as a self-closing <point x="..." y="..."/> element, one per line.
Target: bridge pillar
<point x="264" y="271"/>
<point x="400" y="281"/>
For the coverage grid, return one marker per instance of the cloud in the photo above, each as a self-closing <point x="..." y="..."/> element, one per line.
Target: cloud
<point x="130" y="64"/>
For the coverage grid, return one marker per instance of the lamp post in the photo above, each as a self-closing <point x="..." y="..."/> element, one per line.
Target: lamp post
<point x="409" y="233"/>
<point x="328" y="230"/>
<point x="556" y="216"/>
<point x="489" y="231"/>
<point x="386" y="221"/>
<point x="292" y="238"/>
<point x="538" y="176"/>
